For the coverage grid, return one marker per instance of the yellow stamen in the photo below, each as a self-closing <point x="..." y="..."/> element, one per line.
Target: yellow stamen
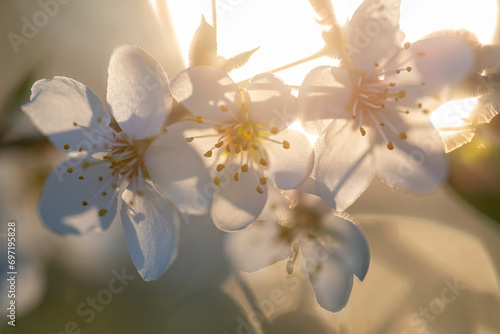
<point x="263" y="180"/>
<point x="236" y="176"/>
<point x="220" y="167"/>
<point x="402" y="136"/>
<point x="363" y="132"/>
<point x="390" y="146"/>
<point x="224" y="109"/>
<point x="102" y="212"/>
<point x="198" y="119"/>
<point x="66" y="147"/>
<point x="259" y="190"/>
<point x="286" y="145"/>
<point x="84" y="203"/>
<point x="263" y="162"/>
<point x="217" y="180"/>
<point x="189" y="139"/>
<point x="244" y="168"/>
<point x="69" y="170"/>
<point x="208" y="154"/>
<point x="274" y="130"/>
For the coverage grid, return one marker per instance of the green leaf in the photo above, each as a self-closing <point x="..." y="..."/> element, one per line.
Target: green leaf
<point x="203" y="47"/>
<point x="238" y="61"/>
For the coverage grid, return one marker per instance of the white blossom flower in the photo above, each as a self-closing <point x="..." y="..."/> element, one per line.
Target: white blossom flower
<point x="117" y="160"/>
<point x="372" y="112"/>
<point x="244" y="138"/>
<point x="303" y="228"/>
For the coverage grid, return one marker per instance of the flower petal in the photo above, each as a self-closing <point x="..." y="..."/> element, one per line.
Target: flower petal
<point x="288" y="168"/>
<point x="373" y="33"/>
<point x="417" y="164"/>
<point x="237" y="204"/>
<point x="208" y="92"/>
<point x="178" y="171"/>
<point x="257" y="246"/>
<point x="323" y="96"/>
<point x="437" y="63"/>
<point x="62" y="206"/>
<point x="270" y="101"/>
<point x="58" y="103"/>
<point x="332" y="284"/>
<point x="343" y="167"/>
<point x="151" y="231"/>
<point x="349" y="244"/>
<point x="138" y="94"/>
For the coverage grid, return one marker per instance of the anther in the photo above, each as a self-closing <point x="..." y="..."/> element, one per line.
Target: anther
<point x="69" y="170"/>
<point x="80" y="149"/>
<point x="255" y="146"/>
<point x="419" y="105"/>
<point x="75" y="124"/>
<point x="398" y="71"/>
<point x="244" y="168"/>
<point x="208" y="154"/>
<point x="237" y="149"/>
<point x="286" y="145"/>
<point x="236" y="176"/>
<point x="382" y="105"/>
<point x="219" y="144"/>
<point x="189" y="139"/>
<point x="390" y="146"/>
<point x="375" y="64"/>
<point x="274" y="130"/>
<point x="407" y="45"/>
<point x="263" y="162"/>
<point x="66" y="147"/>
<point x="220" y="167"/>
<point x="402" y="94"/>
<point x="238" y="139"/>
<point x="409" y="68"/>
<point x="392" y="84"/>
<point x="104" y="193"/>
<point x="100" y="178"/>
<point x="402" y="136"/>
<point x="422" y="83"/>
<point x="198" y="119"/>
<point x="224" y="109"/>
<point x="80" y="177"/>
<point x="363" y="132"/>
<point x="382" y="124"/>
<point x="421" y="54"/>
<point x="217" y="180"/>
<point x="259" y="190"/>
<point x="84" y="203"/>
<point x="228" y="149"/>
<point x="263" y="180"/>
<point x="102" y="212"/>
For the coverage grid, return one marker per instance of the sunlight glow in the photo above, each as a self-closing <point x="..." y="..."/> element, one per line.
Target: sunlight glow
<point x="297" y="125"/>
<point x="286" y="31"/>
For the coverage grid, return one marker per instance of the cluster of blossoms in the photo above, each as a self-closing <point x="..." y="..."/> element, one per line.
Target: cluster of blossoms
<point x="234" y="154"/>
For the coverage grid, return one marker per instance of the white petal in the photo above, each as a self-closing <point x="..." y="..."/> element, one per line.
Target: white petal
<point x="270" y="101"/>
<point x="332" y="284"/>
<point x="138" y="94"/>
<point x="151" y="231"/>
<point x="417" y="164"/>
<point x="373" y="33"/>
<point x="178" y="171"/>
<point x="323" y="96"/>
<point x="439" y="62"/>
<point x="343" y="167"/>
<point x="58" y="103"/>
<point x="349" y="246"/>
<point x="237" y="204"/>
<point x="206" y="91"/>
<point x="288" y="168"/>
<point x="61" y="207"/>
<point x="257" y="246"/>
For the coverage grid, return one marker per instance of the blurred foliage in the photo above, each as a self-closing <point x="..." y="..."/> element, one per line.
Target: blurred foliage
<point x="475" y="169"/>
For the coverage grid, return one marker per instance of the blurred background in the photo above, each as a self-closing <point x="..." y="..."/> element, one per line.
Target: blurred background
<point x="419" y="246"/>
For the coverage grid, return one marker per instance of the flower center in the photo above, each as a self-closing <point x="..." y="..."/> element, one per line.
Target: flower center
<point x="124" y="158"/>
<point x="374" y="98"/>
<point x="241" y="143"/>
